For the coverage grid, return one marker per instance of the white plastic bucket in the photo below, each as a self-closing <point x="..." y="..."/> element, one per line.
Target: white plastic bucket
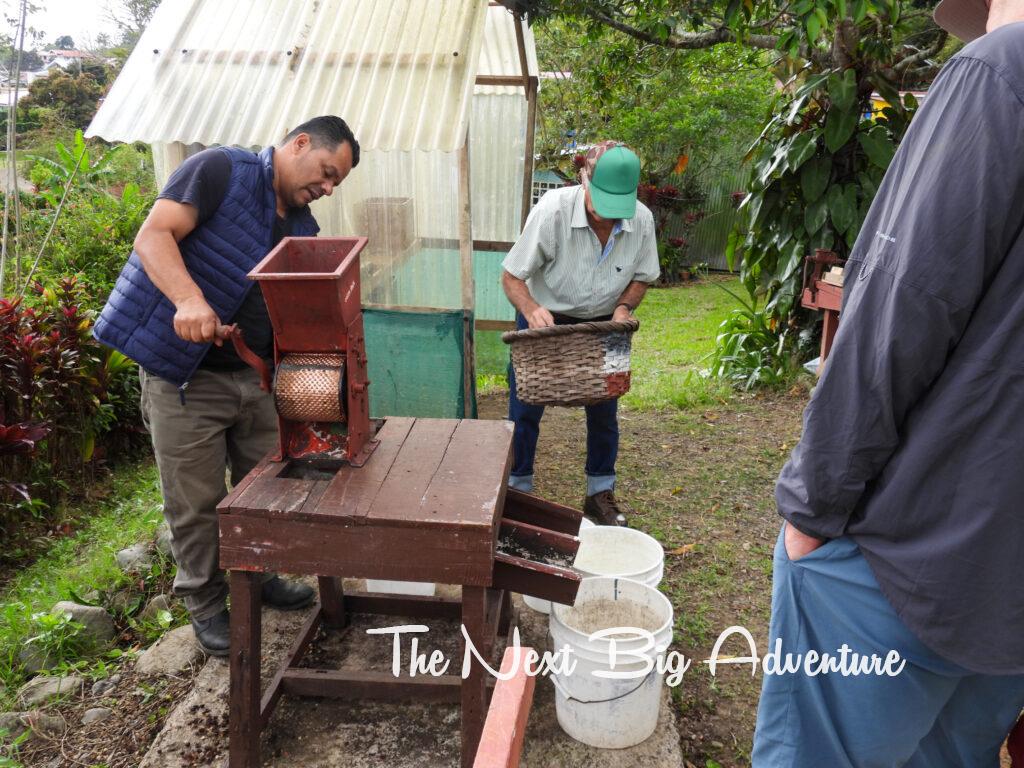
<point x="610" y="550"/>
<point x="544" y="606"/>
<point x="604" y="712"/>
<point x="425" y="588"/>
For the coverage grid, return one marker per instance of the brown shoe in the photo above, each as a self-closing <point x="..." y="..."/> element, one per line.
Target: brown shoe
<point x="603" y="509"/>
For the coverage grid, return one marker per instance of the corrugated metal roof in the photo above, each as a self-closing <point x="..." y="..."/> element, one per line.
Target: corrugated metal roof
<point x="245" y="72"/>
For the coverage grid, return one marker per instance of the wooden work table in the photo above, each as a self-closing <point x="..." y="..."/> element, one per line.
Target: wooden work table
<point x="427" y="506"/>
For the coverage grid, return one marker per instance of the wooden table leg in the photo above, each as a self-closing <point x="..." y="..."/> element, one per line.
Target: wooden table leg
<point x="505" y="619"/>
<point x="829" y="326"/>
<point x="474" y="686"/>
<point x="244" y="719"/>
<point x="332" y="601"/>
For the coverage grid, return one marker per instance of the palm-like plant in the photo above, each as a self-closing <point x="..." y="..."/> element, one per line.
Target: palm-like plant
<point x="52" y="175"/>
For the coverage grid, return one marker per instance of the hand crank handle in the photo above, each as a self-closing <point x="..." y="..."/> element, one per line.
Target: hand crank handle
<point x="234" y="333"/>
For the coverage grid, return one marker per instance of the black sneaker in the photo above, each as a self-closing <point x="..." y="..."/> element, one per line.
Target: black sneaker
<point x="603" y="509"/>
<point x="214" y="634"/>
<point x="287" y="595"/>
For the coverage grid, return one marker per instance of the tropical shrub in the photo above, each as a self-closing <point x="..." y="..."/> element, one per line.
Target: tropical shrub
<point x="92" y="237"/>
<point x="66" y="401"/>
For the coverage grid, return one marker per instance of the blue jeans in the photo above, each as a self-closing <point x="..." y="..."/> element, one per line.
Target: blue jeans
<point x="602" y="434"/>
<point x="934" y="714"/>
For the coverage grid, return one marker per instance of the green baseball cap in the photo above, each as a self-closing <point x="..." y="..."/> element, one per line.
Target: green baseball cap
<point x="612" y="173"/>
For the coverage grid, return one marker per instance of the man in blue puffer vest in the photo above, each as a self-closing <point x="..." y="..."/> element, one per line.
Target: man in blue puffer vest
<point x="221" y="212"/>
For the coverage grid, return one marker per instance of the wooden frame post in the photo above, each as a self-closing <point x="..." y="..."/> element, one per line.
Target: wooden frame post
<point x="468" y="283"/>
<point x="530" y="87"/>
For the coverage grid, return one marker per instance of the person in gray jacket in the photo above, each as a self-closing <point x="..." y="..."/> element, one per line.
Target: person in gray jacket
<point x="904" y="531"/>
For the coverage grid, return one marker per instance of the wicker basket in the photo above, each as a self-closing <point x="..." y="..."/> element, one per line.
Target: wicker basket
<point x="580" y="364"/>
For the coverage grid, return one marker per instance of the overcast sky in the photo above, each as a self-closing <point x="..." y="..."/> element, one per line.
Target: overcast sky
<point x="82" y="19"/>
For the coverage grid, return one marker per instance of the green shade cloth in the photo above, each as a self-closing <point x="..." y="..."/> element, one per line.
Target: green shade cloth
<point x="415" y="364"/>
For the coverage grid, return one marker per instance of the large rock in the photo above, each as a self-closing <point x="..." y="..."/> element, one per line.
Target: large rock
<point x="135" y="559"/>
<point x="16" y="723"/>
<point x="34" y="660"/>
<point x="163" y="540"/>
<point x="154" y="606"/>
<point x="97" y="625"/>
<point x="174" y="653"/>
<point x="39" y="690"/>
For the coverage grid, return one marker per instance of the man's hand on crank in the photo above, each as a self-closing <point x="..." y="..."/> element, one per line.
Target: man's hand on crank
<point x="196" y="321"/>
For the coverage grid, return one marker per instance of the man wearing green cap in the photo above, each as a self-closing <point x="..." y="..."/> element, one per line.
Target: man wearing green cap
<point x="587" y="252"/>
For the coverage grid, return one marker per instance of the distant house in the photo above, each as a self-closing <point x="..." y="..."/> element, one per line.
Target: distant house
<point x="67" y="59"/>
<point x="545" y="180"/>
<point x="25" y="77"/>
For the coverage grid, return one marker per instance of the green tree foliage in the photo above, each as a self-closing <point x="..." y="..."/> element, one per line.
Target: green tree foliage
<point x="50" y="175"/>
<point x="72" y="98"/>
<point x="64" y="43"/>
<point x="819" y="159"/>
<point x="662" y="102"/>
<point x="30" y="60"/>
<point x="108" y="202"/>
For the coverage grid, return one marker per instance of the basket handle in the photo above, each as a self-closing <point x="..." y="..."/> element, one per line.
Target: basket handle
<point x="602" y="326"/>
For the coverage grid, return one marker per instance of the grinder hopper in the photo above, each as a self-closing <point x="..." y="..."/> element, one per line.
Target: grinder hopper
<point x="311" y="288"/>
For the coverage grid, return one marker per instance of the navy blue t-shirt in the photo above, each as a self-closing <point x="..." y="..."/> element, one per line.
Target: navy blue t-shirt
<point x="202" y="182"/>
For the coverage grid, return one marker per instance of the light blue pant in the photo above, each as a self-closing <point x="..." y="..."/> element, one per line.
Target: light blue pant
<point x="935" y="714"/>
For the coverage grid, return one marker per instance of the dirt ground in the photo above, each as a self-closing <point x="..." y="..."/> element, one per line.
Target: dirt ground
<point x="701" y="482"/>
<point x="138" y="708"/>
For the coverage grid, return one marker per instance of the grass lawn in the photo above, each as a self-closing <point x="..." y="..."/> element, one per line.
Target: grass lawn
<point x="668" y="358"/>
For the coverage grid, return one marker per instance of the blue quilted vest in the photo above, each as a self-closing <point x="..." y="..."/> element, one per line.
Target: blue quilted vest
<point x="138" y="319"/>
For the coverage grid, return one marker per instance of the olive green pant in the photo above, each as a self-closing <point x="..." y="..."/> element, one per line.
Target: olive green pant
<point x="226" y="424"/>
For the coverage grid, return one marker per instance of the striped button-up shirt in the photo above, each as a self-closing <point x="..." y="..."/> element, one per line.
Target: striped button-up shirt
<point x="564" y="265"/>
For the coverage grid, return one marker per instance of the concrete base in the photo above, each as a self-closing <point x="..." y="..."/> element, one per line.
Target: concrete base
<point x="336" y="734"/>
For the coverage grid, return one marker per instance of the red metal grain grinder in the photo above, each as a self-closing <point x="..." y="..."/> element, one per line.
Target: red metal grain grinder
<point x="319" y="383"/>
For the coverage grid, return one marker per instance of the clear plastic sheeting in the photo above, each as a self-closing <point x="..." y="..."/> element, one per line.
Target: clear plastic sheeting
<point x="245" y="72"/>
<point x="407" y="204"/>
<point x="497" y="153"/>
<point x="500" y="53"/>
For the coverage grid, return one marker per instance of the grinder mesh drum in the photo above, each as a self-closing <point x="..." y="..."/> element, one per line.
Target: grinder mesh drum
<point x="310" y="387"/>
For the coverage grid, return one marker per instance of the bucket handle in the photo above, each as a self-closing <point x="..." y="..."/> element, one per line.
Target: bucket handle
<point x="570" y="697"/>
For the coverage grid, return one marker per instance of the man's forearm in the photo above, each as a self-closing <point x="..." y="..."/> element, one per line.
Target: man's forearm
<point x="633" y="294"/>
<point x="161" y="258"/>
<point x="518" y="293"/>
